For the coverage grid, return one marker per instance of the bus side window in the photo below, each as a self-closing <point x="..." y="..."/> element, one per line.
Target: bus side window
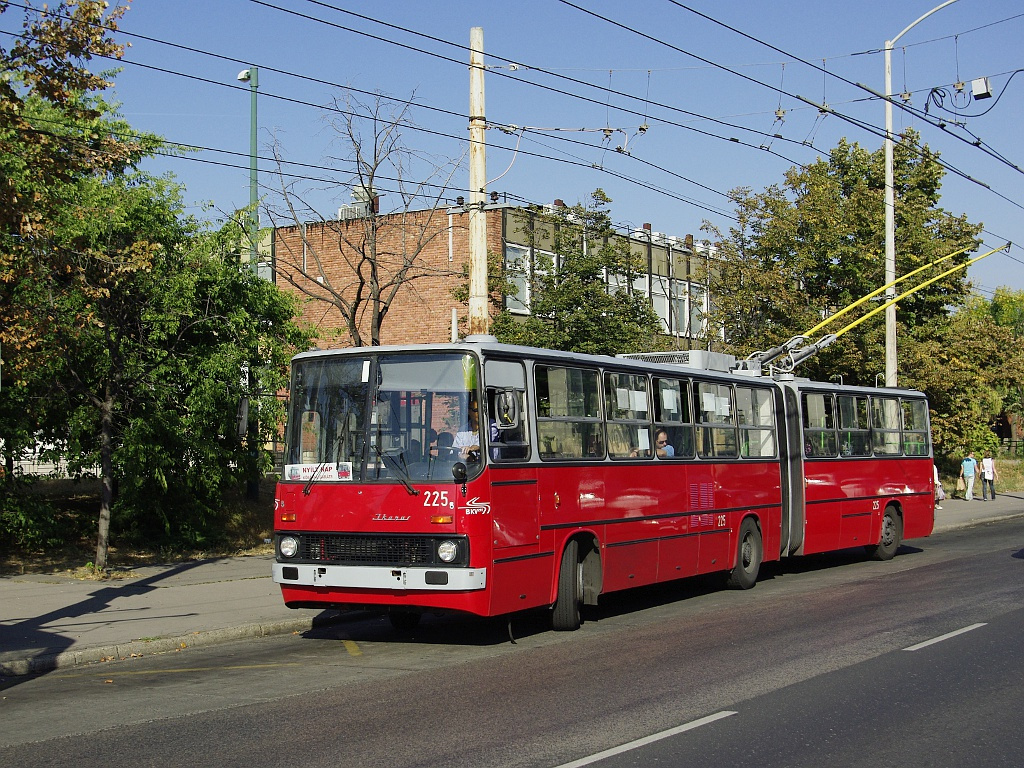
<point x="672" y="415"/>
<point x="819" y="425"/>
<point x="756" y="416"/>
<point x="885" y="426"/>
<point x="855" y="439"/>
<point x="570" y="424"/>
<point x="915" y="428"/>
<point x="716" y="435"/>
<point x="627" y="415"/>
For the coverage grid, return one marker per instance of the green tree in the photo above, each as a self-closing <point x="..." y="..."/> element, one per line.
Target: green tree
<point x="1007" y="311"/>
<point x="53" y="130"/>
<point x="154" y="321"/>
<point x="962" y="368"/>
<point x="47" y="64"/>
<point x="574" y="305"/>
<point x="126" y="327"/>
<point x="814" y="244"/>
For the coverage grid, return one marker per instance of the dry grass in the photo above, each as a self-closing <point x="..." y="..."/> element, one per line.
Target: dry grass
<point x="1011" y="474"/>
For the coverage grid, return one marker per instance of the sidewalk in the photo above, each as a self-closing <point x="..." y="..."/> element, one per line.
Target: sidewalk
<point x="54" y="621"/>
<point x="957" y="513"/>
<point x="51" y="621"/>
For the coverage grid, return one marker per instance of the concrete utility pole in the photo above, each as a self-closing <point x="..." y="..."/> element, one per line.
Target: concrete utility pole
<point x="479" y="318"/>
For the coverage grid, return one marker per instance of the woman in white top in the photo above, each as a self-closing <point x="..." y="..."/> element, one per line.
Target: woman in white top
<point x="989" y="475"/>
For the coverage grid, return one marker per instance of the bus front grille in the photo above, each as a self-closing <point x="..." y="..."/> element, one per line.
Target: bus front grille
<point x="367" y="550"/>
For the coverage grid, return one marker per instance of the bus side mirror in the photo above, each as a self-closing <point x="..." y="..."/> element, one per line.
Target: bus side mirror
<point x="459" y="473"/>
<point x="506" y="409"/>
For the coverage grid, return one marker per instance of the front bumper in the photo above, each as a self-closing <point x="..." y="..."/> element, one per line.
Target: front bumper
<point x="380" y="577"/>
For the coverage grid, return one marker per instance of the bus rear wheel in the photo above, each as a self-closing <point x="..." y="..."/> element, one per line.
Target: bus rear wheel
<point x="566" y="613"/>
<point x="749" y="554"/>
<point x="891" y="537"/>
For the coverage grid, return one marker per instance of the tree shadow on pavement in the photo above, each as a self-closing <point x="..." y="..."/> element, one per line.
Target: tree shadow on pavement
<point x="30" y="647"/>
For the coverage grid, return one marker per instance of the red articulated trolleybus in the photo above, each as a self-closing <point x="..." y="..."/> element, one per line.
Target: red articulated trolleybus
<point x="487" y="479"/>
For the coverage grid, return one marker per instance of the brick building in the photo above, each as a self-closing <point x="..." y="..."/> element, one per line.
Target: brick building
<point x="420" y="257"/>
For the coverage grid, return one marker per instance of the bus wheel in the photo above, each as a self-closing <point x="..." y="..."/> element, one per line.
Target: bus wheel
<point x="892" y="535"/>
<point x="565" y="615"/>
<point x="748" y="557"/>
<point x="404" y="621"/>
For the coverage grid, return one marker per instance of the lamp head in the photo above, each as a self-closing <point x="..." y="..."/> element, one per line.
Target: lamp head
<point x="244" y="75"/>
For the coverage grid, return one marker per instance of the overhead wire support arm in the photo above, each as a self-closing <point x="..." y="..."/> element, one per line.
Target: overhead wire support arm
<point x="798" y="356"/>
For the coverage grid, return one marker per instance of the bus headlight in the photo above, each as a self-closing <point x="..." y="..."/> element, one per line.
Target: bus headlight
<point x="447" y="551"/>
<point x="288" y="546"/>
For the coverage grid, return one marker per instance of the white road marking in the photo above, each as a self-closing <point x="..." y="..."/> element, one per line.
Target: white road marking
<point x="646" y="740"/>
<point x="948" y="635"/>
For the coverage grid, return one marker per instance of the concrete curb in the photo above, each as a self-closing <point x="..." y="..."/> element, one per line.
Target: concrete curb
<point x="48" y="662"/>
<point x="976" y="521"/>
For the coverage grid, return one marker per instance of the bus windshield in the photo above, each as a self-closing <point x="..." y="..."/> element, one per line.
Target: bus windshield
<point x="391" y="418"/>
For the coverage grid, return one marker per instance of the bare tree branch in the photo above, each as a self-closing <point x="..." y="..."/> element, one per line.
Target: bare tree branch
<point x="361" y="265"/>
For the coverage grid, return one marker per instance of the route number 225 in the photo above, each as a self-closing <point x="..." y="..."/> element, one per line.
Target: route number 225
<point x="437" y="499"/>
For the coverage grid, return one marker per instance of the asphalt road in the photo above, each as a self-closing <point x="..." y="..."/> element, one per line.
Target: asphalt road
<point x="812" y="663"/>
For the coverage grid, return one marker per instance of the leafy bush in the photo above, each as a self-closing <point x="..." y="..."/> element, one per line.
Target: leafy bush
<point x="32" y="522"/>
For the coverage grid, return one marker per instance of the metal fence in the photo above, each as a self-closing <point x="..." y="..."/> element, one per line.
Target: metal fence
<point x="1010" y="447"/>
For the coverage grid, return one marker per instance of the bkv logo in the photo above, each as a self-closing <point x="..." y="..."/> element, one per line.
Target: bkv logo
<point x="476" y="507"/>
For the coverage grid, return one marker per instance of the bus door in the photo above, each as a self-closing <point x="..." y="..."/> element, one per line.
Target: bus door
<point x="716" y="419"/>
<point x="793" y="489"/>
<point x="519" y="580"/>
<point x="513" y="480"/>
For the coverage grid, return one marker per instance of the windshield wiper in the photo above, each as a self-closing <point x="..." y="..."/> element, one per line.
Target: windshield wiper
<point x="312" y="478"/>
<point x="396" y="466"/>
<point x="316" y="472"/>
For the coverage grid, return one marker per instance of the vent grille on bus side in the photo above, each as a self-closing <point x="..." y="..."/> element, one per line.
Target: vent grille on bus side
<point x="691" y="358"/>
<point x="366" y="550"/>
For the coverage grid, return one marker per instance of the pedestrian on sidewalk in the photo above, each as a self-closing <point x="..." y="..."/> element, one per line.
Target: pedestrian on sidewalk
<point x="989" y="475"/>
<point x="940" y="494"/>
<point x="968" y="469"/>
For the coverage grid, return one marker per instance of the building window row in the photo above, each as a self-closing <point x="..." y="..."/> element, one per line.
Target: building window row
<point x="681" y="305"/>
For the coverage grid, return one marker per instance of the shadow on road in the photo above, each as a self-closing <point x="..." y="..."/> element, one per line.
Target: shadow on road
<point x="455" y="629"/>
<point x="32" y="639"/>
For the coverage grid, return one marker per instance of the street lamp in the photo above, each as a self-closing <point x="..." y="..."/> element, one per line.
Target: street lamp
<point x="890" y="207"/>
<point x="251" y="76"/>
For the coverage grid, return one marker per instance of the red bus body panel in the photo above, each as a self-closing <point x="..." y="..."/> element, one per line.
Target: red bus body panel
<point x="845" y="500"/>
<point x="655" y="522"/>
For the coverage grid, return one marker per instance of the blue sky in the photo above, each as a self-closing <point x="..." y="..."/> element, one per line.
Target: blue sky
<point x="711" y="99"/>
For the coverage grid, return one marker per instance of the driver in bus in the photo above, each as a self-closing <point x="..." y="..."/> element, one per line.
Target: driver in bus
<point x="467" y="441"/>
<point x="444" y="445"/>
